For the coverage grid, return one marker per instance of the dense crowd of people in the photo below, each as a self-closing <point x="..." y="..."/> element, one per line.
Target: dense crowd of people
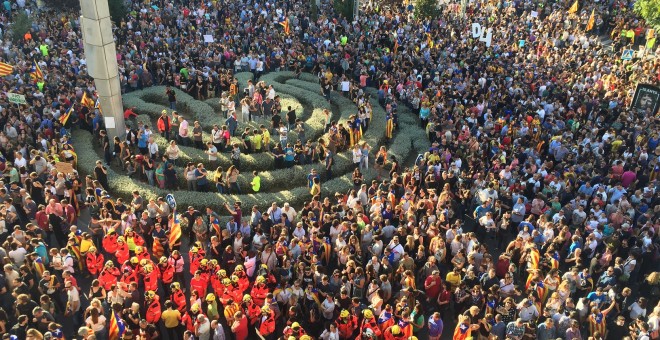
<point x="534" y="214"/>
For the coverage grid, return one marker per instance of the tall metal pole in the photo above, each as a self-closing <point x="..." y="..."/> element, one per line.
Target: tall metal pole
<point x="101" y="56"/>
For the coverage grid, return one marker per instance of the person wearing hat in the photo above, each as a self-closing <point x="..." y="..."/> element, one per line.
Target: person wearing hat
<point x="109" y="275"/>
<point x="212" y="307"/>
<point x="122" y="252"/>
<point x="394" y="333"/>
<point x="177" y="297"/>
<point x="369" y="322"/>
<point x="251" y="309"/>
<point x="266" y="325"/>
<point x="259" y="290"/>
<point x="294" y="330"/>
<point x="152" y="304"/>
<point x="94" y="261"/>
<point x="166" y="271"/>
<point x="346" y="324"/>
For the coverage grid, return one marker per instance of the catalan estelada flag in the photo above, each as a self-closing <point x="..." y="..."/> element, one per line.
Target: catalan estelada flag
<point x="36" y="73"/>
<point x="97" y="105"/>
<point x="6" y="69"/>
<point x="216" y="227"/>
<point x="463" y="331"/>
<point x="285" y="24"/>
<point x="64" y="118"/>
<point x="86" y="101"/>
<point x="592" y="20"/>
<point x="175" y="230"/>
<point x="39" y="265"/>
<point x="573" y="8"/>
<point x="116" y="328"/>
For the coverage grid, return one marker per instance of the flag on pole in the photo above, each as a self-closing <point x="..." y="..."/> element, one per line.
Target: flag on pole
<point x="86" y="101"/>
<point x="64" y="118"/>
<point x="573" y="8"/>
<point x="6" y="69"/>
<point x="396" y="45"/>
<point x="36" y="73"/>
<point x="117" y="327"/>
<point x="592" y="20"/>
<point x="285" y="24"/>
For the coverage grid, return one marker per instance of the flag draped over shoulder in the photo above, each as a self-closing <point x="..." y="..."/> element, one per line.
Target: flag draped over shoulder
<point x="573" y="8"/>
<point x="36" y="73"/>
<point x="86" y="101"/>
<point x="591" y="22"/>
<point x="6" y="69"/>
<point x="462" y="332"/>
<point x="64" y="118"/>
<point x="116" y="328"/>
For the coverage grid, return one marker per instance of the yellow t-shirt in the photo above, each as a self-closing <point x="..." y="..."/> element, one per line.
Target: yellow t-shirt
<point x="453" y="279"/>
<point x="265" y="136"/>
<point x="85" y="245"/>
<point x="171" y="318"/>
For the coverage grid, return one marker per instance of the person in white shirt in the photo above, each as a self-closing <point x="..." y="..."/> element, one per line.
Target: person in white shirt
<point x="290" y="212"/>
<point x="328" y="307"/>
<point x="17" y="254"/>
<point x="202" y="328"/>
<point x="67" y="261"/>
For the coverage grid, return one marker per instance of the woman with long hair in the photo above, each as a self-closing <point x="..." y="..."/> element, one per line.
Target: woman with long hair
<point x="97" y="322"/>
<point x="219" y="179"/>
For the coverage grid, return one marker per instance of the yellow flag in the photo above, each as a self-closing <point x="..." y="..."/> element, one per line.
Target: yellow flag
<point x="573" y="8"/>
<point x="592" y="19"/>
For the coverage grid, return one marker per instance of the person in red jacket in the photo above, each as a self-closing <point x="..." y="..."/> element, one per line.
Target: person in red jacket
<point x="129" y="276"/>
<point x="166" y="271"/>
<point x="346" y="325"/>
<point x="259" y="291"/>
<point x="243" y="280"/>
<point x="164" y="125"/>
<point x="121" y="253"/>
<point x="150" y="278"/>
<point x="110" y="242"/>
<point x="178" y="298"/>
<point x="394" y="333"/>
<point x="142" y="254"/>
<point x="267" y="323"/>
<point x="240" y="326"/>
<point x="109" y="275"/>
<point x="251" y="309"/>
<point x="369" y="322"/>
<point x="153" y="307"/>
<point x="94" y="261"/>
<point x="195" y="259"/>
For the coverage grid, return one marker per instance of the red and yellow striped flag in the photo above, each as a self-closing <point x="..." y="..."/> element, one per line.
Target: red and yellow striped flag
<point x="592" y="21"/>
<point x="158" y="249"/>
<point x="285" y="24"/>
<point x="6" y="69"/>
<point x="573" y="8"/>
<point x="175" y="231"/>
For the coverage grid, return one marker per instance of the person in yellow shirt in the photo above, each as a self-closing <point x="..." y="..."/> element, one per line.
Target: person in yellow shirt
<point x="256" y="181"/>
<point x="86" y="243"/>
<point x="265" y="138"/>
<point x="171" y="318"/>
<point x="257" y="140"/>
<point x="454" y="278"/>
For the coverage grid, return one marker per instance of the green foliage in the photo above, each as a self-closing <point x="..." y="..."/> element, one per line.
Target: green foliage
<point x="21" y="25"/>
<point x="426" y="9"/>
<point x="344" y="8"/>
<point x="650" y="11"/>
<point x="118" y="10"/>
<point x="283" y="185"/>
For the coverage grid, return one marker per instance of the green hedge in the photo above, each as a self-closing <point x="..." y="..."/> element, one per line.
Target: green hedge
<point x="284" y="185"/>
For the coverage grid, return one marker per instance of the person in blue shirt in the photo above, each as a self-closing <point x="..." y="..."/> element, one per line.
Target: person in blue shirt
<point x="289" y="155"/>
<point x="143" y="140"/>
<point x="436" y="326"/>
<point x="310" y="178"/>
